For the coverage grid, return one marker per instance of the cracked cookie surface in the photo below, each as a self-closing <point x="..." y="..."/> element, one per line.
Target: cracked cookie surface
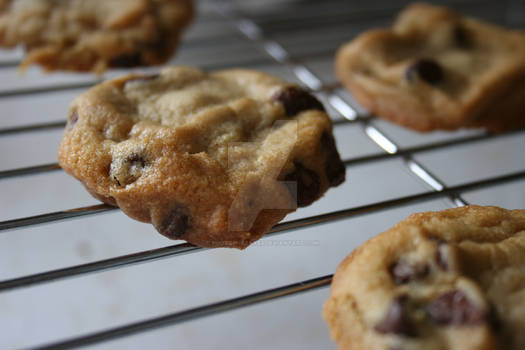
<point x="215" y="159"/>
<point x="89" y="35"/>
<point x="436" y="69"/>
<point x="452" y="279"/>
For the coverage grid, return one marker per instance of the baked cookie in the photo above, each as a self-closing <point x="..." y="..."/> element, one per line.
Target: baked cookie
<point x="453" y="279"/>
<point x="436" y="69"/>
<point x="215" y="159"/>
<point x="89" y="35"/>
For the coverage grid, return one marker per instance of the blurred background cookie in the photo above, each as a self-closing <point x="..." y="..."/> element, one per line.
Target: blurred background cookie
<point x="93" y="35"/>
<point x="436" y="69"/>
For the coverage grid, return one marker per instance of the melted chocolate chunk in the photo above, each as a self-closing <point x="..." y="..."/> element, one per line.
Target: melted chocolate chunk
<point x="403" y="271"/>
<point x="494" y="319"/>
<point x="128" y="60"/>
<point x="308" y="185"/>
<point x="396" y="320"/>
<point x="461" y="37"/>
<point x="296" y="100"/>
<point x="116" y="180"/>
<point x="426" y="69"/>
<point x="136" y="160"/>
<point x="335" y="169"/>
<point x="454" y="308"/>
<point x="128" y="170"/>
<point x="176" y="223"/>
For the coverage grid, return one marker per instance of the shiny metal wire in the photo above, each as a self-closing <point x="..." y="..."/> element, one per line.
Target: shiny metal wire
<point x="191" y="314"/>
<point x="185" y="248"/>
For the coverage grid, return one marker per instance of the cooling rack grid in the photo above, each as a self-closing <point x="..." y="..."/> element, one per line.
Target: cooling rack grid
<point x="131" y="282"/>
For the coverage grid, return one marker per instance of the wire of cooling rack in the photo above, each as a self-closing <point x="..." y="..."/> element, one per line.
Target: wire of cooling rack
<point x="191" y="314"/>
<point x="251" y="30"/>
<point x="185" y="248"/>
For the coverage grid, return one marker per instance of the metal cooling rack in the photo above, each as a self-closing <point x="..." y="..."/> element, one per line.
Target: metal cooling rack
<point x="296" y="40"/>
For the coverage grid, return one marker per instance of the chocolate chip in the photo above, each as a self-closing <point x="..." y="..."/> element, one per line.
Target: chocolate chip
<point x="403" y="271"/>
<point x="296" y="100"/>
<point x="73" y="120"/>
<point x="128" y="170"/>
<point x="436" y="239"/>
<point x="396" y="320"/>
<point x="454" y="308"/>
<point x="115" y="178"/>
<point x="128" y="60"/>
<point x="426" y="69"/>
<point x="136" y="160"/>
<point x="494" y="319"/>
<point x="461" y="37"/>
<point x="176" y="223"/>
<point x="308" y="185"/>
<point x="335" y="169"/>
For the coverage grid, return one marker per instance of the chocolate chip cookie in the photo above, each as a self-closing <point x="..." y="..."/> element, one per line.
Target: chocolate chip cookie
<point x="215" y="159"/>
<point x="453" y="279"/>
<point x="93" y="35"/>
<point x="436" y="69"/>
